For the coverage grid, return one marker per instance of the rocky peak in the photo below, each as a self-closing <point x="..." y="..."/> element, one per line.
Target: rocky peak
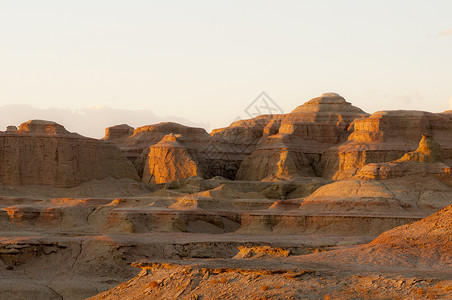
<point x="329" y="108"/>
<point x="118" y="131"/>
<point x="167" y="127"/>
<point x="170" y="140"/>
<point x="428" y="151"/>
<point x="328" y="102"/>
<point x="42" y="127"/>
<point x="11" y="128"/>
<point x="328" y="98"/>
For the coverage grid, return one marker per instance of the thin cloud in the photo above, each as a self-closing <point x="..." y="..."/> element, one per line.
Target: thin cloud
<point x="446" y="32"/>
<point x="410" y="97"/>
<point x="89" y="121"/>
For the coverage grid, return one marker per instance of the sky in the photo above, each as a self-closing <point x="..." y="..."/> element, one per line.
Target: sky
<point x="89" y="64"/>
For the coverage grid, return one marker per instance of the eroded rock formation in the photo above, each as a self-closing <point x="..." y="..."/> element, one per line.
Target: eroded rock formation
<point x="212" y="156"/>
<point x="169" y="160"/>
<point x="60" y="242"/>
<point x="45" y="153"/>
<point x="426" y="160"/>
<point x="301" y="135"/>
<point x="326" y="136"/>
<point x="386" y="136"/>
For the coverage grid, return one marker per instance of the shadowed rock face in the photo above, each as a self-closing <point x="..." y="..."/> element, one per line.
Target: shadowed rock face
<point x="45" y="153"/>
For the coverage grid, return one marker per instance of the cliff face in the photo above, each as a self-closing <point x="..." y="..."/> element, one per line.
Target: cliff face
<point x="136" y="143"/>
<point x="169" y="160"/>
<point x="44" y="153"/>
<point x="303" y="134"/>
<point x="133" y="141"/>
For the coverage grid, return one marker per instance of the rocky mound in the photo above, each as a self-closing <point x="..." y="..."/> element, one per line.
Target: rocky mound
<point x="403" y="196"/>
<point x="429" y="151"/>
<point x="118" y="133"/>
<point x="169" y="160"/>
<point x="427" y="160"/>
<point x="271" y="279"/>
<point x="135" y="143"/>
<point x="261" y="252"/>
<point x="298" y="139"/>
<point x="386" y="136"/>
<point x="329" y="108"/>
<point x="243" y="136"/>
<point x="45" y="153"/>
<point x="425" y="244"/>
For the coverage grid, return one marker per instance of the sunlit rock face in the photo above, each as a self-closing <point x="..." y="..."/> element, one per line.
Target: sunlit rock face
<point x="45" y="153"/>
<point x="302" y="136"/>
<point x="427" y="160"/>
<point x="134" y="141"/>
<point x="213" y="156"/>
<point x="429" y="151"/>
<point x="169" y="160"/>
<point x="386" y="136"/>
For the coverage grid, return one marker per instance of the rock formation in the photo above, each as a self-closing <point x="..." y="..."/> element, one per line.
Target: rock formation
<point x="386" y="136"/>
<point x="134" y="142"/>
<point x="45" y="153"/>
<point x="429" y="151"/>
<point x="426" y="160"/>
<point x="242" y="137"/>
<point x="169" y="160"/>
<point x="425" y="244"/>
<point x="74" y="218"/>
<point x="326" y="136"/>
<point x="212" y="156"/>
<point x="118" y="132"/>
<point x="303" y="134"/>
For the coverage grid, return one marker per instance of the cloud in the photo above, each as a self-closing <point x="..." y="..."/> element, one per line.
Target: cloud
<point x="446" y="32"/>
<point x="89" y="121"/>
<point x="410" y="97"/>
<point x="373" y="94"/>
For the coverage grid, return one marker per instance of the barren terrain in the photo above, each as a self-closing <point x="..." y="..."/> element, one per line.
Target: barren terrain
<point x="324" y="202"/>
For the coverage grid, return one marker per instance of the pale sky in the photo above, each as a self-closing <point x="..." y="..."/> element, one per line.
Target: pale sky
<point x="89" y="64"/>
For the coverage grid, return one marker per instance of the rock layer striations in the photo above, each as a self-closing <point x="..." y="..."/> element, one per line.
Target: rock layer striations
<point x="45" y="153"/>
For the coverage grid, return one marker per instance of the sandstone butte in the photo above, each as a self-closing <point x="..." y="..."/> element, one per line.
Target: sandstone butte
<point x="324" y="202"/>
<point x="45" y="153"/>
